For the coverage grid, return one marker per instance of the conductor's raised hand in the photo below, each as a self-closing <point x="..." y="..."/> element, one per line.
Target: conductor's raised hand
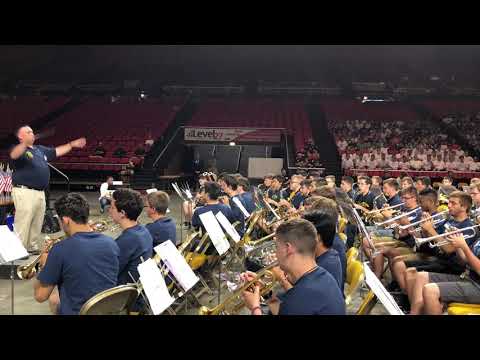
<point x="79" y="143"/>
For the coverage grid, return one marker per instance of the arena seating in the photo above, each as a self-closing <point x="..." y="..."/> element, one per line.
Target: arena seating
<point x="258" y="113"/>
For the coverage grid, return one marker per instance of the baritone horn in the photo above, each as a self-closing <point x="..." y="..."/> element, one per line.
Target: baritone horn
<point x="234" y="302"/>
<point x="26" y="272"/>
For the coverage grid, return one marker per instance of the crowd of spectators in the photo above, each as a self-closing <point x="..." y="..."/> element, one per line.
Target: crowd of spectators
<point x="399" y="145"/>
<point x="309" y="156"/>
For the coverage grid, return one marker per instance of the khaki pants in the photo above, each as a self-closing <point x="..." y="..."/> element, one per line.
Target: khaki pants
<point x="29" y="215"/>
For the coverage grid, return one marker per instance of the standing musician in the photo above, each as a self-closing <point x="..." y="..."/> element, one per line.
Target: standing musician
<point x="30" y="179"/>
<point x="81" y="266"/>
<point x="459" y="207"/>
<point x="310" y="289"/>
<point x="163" y="227"/>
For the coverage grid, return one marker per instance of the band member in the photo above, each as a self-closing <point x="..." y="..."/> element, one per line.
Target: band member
<point x="376" y="187"/>
<point x="305" y="188"/>
<point x="330" y="180"/>
<point x="267" y="182"/>
<point x="364" y="198"/>
<point x="230" y="185"/>
<point x="406" y="182"/>
<point x="347" y="186"/>
<point x="81" y="266"/>
<point x="163" y="227"/>
<point x="446" y="288"/>
<point x="135" y="242"/>
<point x="459" y="207"/>
<point x="447" y="181"/>
<point x="311" y="289"/>
<point x="475" y="194"/>
<point x="422" y="183"/>
<point x="30" y="179"/>
<point x="104" y="198"/>
<point x="211" y="192"/>
<point x="325" y="256"/>
<point x="189" y="206"/>
<point x="295" y="198"/>
<point x="245" y="192"/>
<point x="390" y="189"/>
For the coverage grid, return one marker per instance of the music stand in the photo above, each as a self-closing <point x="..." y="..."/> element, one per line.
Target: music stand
<point x="11" y="249"/>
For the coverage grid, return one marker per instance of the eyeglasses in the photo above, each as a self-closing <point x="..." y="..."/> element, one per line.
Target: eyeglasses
<point x="407" y="197"/>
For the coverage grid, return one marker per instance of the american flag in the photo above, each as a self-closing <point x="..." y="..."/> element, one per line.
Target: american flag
<point x="3" y="180"/>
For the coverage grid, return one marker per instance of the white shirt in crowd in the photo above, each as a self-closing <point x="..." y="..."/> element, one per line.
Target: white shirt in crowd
<point x="451" y="166"/>
<point x="416" y="164"/>
<point x="372" y="164"/>
<point x="347" y="163"/>
<point x="461" y="166"/>
<point x="103" y="190"/>
<point x="439" y="165"/>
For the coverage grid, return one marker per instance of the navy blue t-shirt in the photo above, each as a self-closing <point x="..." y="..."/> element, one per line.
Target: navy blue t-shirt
<point x="339" y="246"/>
<point x="134" y="243"/>
<point x="31" y="168"/>
<point x="162" y="230"/>
<point x="298" y="200"/>
<point x="238" y="214"/>
<point x="460" y="225"/>
<point x="82" y="266"/>
<point x="330" y="261"/>
<point x="215" y="208"/>
<point x="394" y="200"/>
<point x="247" y="200"/>
<point x="316" y="293"/>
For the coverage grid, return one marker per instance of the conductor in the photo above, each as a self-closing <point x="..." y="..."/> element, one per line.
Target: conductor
<point x="30" y="178"/>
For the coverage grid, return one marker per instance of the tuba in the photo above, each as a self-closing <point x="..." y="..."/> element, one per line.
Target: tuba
<point x="25" y="272"/>
<point x="234" y="302"/>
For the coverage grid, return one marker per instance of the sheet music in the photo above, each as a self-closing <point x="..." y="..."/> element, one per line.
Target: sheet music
<point x="237" y="201"/>
<point x="177" y="265"/>
<point x="189" y="194"/>
<point x="382" y="294"/>
<point x="215" y="232"/>
<point x="177" y="190"/>
<point x="11" y="247"/>
<point x="228" y="227"/>
<point x="149" y="191"/>
<point x="154" y="287"/>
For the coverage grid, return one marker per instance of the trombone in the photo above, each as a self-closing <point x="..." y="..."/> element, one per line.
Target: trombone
<point x="420" y="241"/>
<point x="437" y="219"/>
<point x="391" y="223"/>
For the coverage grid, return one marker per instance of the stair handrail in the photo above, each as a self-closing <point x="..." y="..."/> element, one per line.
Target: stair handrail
<point x="166" y="146"/>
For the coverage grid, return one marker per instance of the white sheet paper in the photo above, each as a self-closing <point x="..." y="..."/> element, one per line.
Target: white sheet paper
<point x="242" y="208"/>
<point x="11" y="247"/>
<point x="177" y="265"/>
<point x="154" y="287"/>
<point x="149" y="191"/>
<point x="228" y="227"/>
<point x="189" y="194"/>
<point x="382" y="294"/>
<point x="215" y="232"/>
<point x="117" y="183"/>
<point x="177" y="190"/>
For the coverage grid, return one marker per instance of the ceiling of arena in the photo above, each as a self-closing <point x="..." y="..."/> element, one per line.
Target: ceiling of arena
<point x="224" y="63"/>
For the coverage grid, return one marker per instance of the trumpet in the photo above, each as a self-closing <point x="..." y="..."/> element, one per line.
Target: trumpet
<point x="391" y="223"/>
<point x="437" y="219"/>
<point x="234" y="303"/>
<point x="384" y="209"/>
<point x="420" y="241"/>
<point x="26" y="272"/>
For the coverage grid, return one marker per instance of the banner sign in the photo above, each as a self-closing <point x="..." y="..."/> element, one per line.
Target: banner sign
<point x="232" y="134"/>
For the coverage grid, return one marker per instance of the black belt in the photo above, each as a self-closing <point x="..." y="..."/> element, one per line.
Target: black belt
<point x="26" y="187"/>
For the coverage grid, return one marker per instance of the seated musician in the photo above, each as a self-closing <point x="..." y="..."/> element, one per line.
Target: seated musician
<point x="459" y="205"/>
<point x="273" y="193"/>
<point x="330" y="207"/>
<point x="163" y="227"/>
<point x="135" y="242"/>
<point x="189" y="206"/>
<point x="325" y="255"/>
<point x="410" y="198"/>
<point x="364" y="202"/>
<point x="330" y="180"/>
<point x="428" y="202"/>
<point x="104" y="198"/>
<point x="406" y="182"/>
<point x="294" y="198"/>
<point x="246" y="195"/>
<point x="81" y="266"/>
<point x="447" y="288"/>
<point x="347" y="186"/>
<point x="211" y="191"/>
<point x="474" y="192"/>
<point x="422" y="183"/>
<point x="230" y="187"/>
<point x="267" y="182"/>
<point x="311" y="289"/>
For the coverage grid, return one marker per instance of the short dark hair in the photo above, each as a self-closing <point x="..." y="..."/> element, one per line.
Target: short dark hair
<point x="74" y="206"/>
<point x="430" y="194"/>
<point x="348" y="179"/>
<point x="244" y="183"/>
<point x="464" y="199"/>
<point x="300" y="233"/>
<point x="425" y="180"/>
<point x="213" y="190"/>
<point x="279" y="178"/>
<point x="378" y="178"/>
<point x="409" y="191"/>
<point x="320" y="182"/>
<point x="159" y="201"/>
<point x="230" y="181"/>
<point x="325" y="191"/>
<point x="449" y="178"/>
<point x="367" y="179"/>
<point x="306" y="183"/>
<point x="17" y="130"/>
<point x="408" y="179"/>
<point x="327" y="206"/>
<point x="109" y="177"/>
<point x="130" y="202"/>
<point x="324" y="224"/>
<point x="269" y="176"/>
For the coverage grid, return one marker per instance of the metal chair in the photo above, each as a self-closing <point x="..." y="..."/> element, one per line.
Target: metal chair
<point x="115" y="301"/>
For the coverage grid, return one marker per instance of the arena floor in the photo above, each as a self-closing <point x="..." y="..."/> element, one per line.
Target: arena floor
<point x="24" y="303"/>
